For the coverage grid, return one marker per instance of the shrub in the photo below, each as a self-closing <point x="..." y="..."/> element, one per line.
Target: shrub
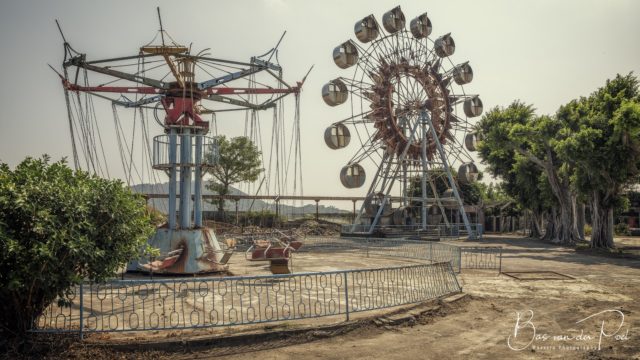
<point x="587" y="230"/>
<point x="622" y="229"/>
<point x="57" y="228"/>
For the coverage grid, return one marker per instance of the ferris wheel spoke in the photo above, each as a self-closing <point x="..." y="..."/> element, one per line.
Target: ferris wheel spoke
<point x="368" y="66"/>
<point x="366" y="150"/>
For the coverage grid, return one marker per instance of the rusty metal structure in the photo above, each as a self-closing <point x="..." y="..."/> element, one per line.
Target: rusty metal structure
<point x="179" y="87"/>
<point x="277" y="248"/>
<point x="410" y="113"/>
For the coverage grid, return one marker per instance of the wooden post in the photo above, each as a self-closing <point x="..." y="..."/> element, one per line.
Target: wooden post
<point x="317" y="211"/>
<point x="237" y="216"/>
<point x="354" y="211"/>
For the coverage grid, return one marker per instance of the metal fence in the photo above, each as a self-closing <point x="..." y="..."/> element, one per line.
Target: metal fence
<point x="460" y="257"/>
<point x="135" y="305"/>
<point x="440" y="231"/>
<point x="481" y="257"/>
<point x="401" y="248"/>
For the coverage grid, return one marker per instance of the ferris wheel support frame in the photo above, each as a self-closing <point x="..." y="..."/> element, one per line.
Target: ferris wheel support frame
<point x="426" y="125"/>
<point x="389" y="164"/>
<point x="426" y="120"/>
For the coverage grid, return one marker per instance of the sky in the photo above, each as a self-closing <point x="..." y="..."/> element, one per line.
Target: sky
<point x="543" y="52"/>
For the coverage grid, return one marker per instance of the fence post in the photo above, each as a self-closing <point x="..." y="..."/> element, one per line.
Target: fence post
<point x="81" y="311"/>
<point x="455" y="277"/>
<point x="346" y="294"/>
<point x="367" y="246"/>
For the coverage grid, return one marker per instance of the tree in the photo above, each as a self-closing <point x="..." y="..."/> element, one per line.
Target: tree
<point x="496" y="193"/>
<point x="514" y="136"/>
<point x="57" y="228"/>
<point x="588" y="151"/>
<point x="471" y="194"/>
<point x="237" y="160"/>
<point x="602" y="143"/>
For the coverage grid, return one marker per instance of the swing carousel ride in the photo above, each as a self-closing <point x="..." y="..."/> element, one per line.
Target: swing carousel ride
<point x="182" y="91"/>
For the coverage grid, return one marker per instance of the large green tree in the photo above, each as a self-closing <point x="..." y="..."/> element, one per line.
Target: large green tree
<point x="514" y="139"/>
<point x="588" y="151"/>
<point x="238" y="160"/>
<point x="471" y="194"/>
<point x="602" y="143"/>
<point x="57" y="228"/>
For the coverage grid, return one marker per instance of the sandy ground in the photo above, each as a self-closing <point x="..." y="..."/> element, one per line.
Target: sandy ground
<point x="593" y="315"/>
<point x="483" y="326"/>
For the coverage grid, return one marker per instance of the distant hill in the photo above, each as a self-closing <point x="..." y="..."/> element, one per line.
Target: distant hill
<point x="243" y="205"/>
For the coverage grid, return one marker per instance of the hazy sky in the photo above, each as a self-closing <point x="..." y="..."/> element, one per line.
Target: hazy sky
<point x="542" y="52"/>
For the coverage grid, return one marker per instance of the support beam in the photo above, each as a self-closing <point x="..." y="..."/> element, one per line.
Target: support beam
<point x="185" y="179"/>
<point x="423" y="158"/>
<point x="119" y="74"/>
<point x="174" y="70"/>
<point x="354" y="210"/>
<point x="173" y="151"/>
<point x="386" y="189"/>
<point x="426" y="118"/>
<point x="237" y="214"/>
<point x="197" y="201"/>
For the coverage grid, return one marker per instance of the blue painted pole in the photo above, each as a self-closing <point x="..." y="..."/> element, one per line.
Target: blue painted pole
<point x="173" y="150"/>
<point x="185" y="179"/>
<point x="197" y="211"/>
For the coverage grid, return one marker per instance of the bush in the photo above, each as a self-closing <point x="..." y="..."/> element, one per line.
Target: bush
<point x="622" y="229"/>
<point x="587" y="230"/>
<point x="157" y="218"/>
<point x="58" y="227"/>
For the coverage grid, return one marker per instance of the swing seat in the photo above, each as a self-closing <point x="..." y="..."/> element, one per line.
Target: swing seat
<point x="225" y="258"/>
<point x="270" y="254"/>
<point x="279" y="266"/>
<point x="295" y="245"/>
<point x="163" y="261"/>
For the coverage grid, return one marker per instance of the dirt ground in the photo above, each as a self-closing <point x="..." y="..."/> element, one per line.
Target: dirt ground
<point x="479" y="328"/>
<point x="595" y="314"/>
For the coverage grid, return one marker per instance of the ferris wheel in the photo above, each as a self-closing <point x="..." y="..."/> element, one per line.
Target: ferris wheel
<point x="411" y="116"/>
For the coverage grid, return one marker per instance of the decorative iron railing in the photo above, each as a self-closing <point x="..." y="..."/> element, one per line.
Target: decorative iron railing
<point x="136" y="305"/>
<point x="410" y="249"/>
<point x="178" y="303"/>
<point x="481" y="257"/>
<point x="440" y="231"/>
